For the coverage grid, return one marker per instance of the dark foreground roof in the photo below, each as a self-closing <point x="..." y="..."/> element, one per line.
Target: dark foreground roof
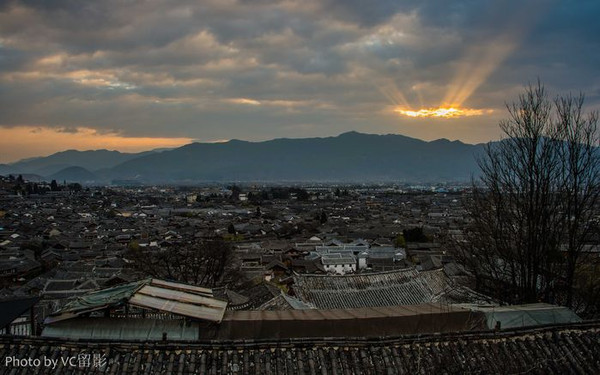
<point x="252" y="325"/>
<point x="386" y="321"/>
<point x="565" y="349"/>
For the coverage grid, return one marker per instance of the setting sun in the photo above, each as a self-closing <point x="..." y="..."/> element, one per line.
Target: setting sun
<point x="446" y="112"/>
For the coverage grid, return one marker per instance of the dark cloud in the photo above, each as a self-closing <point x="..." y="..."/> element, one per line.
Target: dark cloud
<point x="366" y="15"/>
<point x="13" y="58"/>
<point x="260" y="69"/>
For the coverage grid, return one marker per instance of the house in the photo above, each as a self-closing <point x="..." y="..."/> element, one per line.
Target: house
<point x="16" y="265"/>
<point x="339" y="263"/>
<point x="276" y="268"/>
<point x="354" y="249"/>
<point x="386" y="258"/>
<point x="307" y="266"/>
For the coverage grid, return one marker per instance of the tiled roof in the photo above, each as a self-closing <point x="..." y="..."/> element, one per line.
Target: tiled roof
<point x="338" y="259"/>
<point x="567" y="349"/>
<point x="401" y="287"/>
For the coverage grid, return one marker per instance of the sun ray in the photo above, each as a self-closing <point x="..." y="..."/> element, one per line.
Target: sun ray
<point x="393" y="94"/>
<point x="442" y="112"/>
<point x="479" y="61"/>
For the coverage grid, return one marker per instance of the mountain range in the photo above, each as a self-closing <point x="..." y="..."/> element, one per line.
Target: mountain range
<point x="349" y="157"/>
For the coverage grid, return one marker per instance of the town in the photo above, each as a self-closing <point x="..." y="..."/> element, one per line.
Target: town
<point x="68" y="241"/>
<point x="80" y="262"/>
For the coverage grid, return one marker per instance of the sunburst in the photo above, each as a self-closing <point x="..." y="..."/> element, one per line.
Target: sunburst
<point x="443" y="112"/>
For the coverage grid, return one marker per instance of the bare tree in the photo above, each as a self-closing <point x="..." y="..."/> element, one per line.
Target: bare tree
<point x="536" y="194"/>
<point x="580" y="167"/>
<point x="205" y="263"/>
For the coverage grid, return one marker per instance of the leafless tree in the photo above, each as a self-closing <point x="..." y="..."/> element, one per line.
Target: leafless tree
<point x="535" y="197"/>
<point x="205" y="263"/>
<point x="580" y="167"/>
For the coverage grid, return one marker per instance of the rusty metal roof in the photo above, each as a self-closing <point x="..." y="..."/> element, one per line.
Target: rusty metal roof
<point x="184" y="287"/>
<point x="180" y="303"/>
<point x="180" y="299"/>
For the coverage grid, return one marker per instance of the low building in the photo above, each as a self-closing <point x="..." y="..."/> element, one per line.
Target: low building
<point x="339" y="263"/>
<point x="150" y="309"/>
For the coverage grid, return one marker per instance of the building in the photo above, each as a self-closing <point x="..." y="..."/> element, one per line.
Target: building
<point x="339" y="263"/>
<point x="391" y="288"/>
<point x="150" y="309"/>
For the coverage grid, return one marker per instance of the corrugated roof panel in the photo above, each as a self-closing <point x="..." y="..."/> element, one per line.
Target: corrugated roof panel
<point x="214" y="314"/>
<point x="183" y="287"/>
<point x="513" y="316"/>
<point x="58" y="316"/>
<point x="103" y="297"/>
<point x="187" y="300"/>
<point x="181" y="296"/>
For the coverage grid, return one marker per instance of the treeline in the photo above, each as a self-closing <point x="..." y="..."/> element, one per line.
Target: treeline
<point x="18" y="185"/>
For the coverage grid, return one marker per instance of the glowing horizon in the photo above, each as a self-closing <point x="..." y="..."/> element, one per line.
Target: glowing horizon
<point x="443" y="112"/>
<point x="41" y="141"/>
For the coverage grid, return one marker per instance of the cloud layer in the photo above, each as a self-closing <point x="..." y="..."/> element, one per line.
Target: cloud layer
<point x="222" y="69"/>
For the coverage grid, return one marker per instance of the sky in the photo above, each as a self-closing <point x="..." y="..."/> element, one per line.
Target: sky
<point x="139" y="75"/>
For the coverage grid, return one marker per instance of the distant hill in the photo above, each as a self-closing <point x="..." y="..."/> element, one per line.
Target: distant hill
<point x="90" y="160"/>
<point x="6" y="169"/>
<point x="348" y="157"/>
<point x="73" y="174"/>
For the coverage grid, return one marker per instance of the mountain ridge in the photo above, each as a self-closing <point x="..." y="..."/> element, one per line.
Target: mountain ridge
<point x="350" y="156"/>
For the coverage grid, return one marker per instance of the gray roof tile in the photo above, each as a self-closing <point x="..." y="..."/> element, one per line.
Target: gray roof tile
<point x="567" y="349"/>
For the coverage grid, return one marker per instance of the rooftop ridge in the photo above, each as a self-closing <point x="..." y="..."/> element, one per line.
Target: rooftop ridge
<point x="588" y="325"/>
<point x="402" y="270"/>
